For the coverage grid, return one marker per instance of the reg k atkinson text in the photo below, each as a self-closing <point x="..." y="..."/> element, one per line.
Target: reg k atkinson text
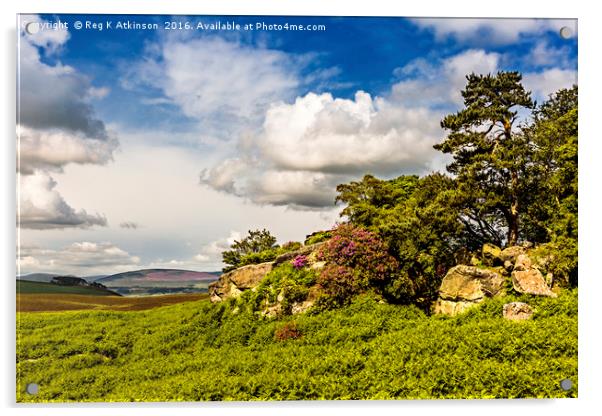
<point x="218" y="25"/>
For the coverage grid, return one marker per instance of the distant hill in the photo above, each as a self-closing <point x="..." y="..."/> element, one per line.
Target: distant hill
<point x="26" y="286"/>
<point x="158" y="281"/>
<point x="47" y="277"/>
<point x="37" y="277"/>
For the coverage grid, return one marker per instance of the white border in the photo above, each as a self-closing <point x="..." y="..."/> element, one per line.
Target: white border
<point x="589" y="401"/>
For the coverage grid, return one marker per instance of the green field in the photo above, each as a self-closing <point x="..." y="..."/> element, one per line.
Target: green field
<point x="25" y="286"/>
<point x="368" y="350"/>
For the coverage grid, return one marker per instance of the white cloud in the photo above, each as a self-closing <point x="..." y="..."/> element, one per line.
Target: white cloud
<point x="50" y="37"/>
<point x="42" y="207"/>
<point x="55" y="96"/>
<point x="306" y="148"/>
<point x="426" y="84"/>
<point x="79" y="258"/>
<point x="547" y="82"/>
<point x="217" y="81"/>
<point x="491" y="31"/>
<point x="52" y="149"/>
<point x="57" y="126"/>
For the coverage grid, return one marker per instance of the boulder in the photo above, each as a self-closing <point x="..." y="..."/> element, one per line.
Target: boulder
<point x="517" y="311"/>
<point x="511" y="253"/>
<point x="531" y="282"/>
<point x="491" y="254"/>
<point x="247" y="277"/>
<point x="233" y="283"/>
<point x="470" y="283"/>
<point x="465" y="286"/>
<point x="527" y="277"/>
<point x="523" y="263"/>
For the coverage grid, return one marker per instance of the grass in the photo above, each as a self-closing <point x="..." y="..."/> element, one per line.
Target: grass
<point x="367" y="350"/>
<point x="30" y="302"/>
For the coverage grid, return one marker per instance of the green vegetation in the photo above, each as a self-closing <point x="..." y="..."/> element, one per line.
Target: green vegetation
<point x="258" y="247"/>
<point x="512" y="182"/>
<point x="292" y="284"/>
<point x="369" y="334"/>
<point x="25" y="286"/>
<point x="366" y="350"/>
<point x="317" y="237"/>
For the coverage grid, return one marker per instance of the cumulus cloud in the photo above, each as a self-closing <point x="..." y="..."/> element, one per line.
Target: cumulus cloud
<point x="306" y="148"/>
<point x="79" y="258"/>
<point x="491" y="31"/>
<point x="54" y="96"/>
<point x="51" y="149"/>
<point x="56" y="126"/>
<point x="42" y="207"/>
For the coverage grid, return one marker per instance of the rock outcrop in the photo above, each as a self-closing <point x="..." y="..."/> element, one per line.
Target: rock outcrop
<point x="517" y="311"/>
<point x="233" y="283"/>
<point x="465" y="286"/>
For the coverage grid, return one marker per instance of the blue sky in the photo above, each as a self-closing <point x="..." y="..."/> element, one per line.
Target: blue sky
<point x="155" y="148"/>
<point x="367" y="50"/>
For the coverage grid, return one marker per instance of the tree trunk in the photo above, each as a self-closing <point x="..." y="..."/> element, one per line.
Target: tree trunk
<point x="512" y="219"/>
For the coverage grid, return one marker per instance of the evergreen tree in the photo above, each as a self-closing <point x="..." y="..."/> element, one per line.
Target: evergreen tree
<point x="490" y="155"/>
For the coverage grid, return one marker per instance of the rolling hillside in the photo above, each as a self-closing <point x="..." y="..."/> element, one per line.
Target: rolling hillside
<point x="26" y="286"/>
<point x="158" y="281"/>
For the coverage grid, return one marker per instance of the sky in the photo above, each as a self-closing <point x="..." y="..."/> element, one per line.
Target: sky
<point x="149" y="147"/>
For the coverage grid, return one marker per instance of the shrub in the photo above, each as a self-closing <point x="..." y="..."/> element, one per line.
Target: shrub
<point x="356" y="261"/>
<point x="287" y="331"/>
<point x="317" y="237"/>
<point x="291" y="246"/>
<point x="266" y="255"/>
<point x="299" y="262"/>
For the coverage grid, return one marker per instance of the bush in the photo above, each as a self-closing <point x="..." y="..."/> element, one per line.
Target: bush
<point x="356" y="261"/>
<point x="317" y="237"/>
<point x="267" y="255"/>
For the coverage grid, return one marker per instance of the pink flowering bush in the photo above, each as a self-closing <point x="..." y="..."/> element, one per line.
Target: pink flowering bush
<point x="299" y="262"/>
<point x="357" y="260"/>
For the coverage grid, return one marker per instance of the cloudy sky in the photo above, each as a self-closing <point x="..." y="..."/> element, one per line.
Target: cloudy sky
<point x="158" y="148"/>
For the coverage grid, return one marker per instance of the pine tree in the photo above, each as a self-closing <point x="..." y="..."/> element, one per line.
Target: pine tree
<point x="490" y="154"/>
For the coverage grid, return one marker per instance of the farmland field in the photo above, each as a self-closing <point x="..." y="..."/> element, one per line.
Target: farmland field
<point x="30" y="302"/>
<point x="367" y="350"/>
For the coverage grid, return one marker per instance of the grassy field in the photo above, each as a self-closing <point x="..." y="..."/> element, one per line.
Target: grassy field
<point x="368" y="350"/>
